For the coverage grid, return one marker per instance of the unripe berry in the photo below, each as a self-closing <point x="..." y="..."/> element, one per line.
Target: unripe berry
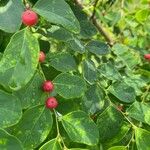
<point x="147" y="56"/>
<point x="42" y="57"/>
<point x="29" y="18"/>
<point x="48" y="86"/>
<point x="51" y="103"/>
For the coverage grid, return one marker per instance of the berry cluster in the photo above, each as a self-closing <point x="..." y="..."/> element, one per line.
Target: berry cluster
<point x="30" y="18"/>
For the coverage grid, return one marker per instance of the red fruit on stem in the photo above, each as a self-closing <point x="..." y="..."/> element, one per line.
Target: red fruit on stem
<point x="48" y="86"/>
<point x="42" y="57"/>
<point x="51" y="103"/>
<point x="29" y="18"/>
<point x="147" y="56"/>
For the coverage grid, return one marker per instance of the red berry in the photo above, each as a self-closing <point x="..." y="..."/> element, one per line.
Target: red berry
<point x="147" y="56"/>
<point x="42" y="57"/>
<point x="48" y="86"/>
<point x="51" y="103"/>
<point x="29" y="18"/>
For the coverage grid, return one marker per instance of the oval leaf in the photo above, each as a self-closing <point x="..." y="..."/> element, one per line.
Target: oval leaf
<point x="51" y="145"/>
<point x="9" y="142"/>
<point x="98" y="48"/>
<point x="58" y="12"/>
<point x="19" y="61"/>
<point x="142" y="139"/>
<point x="10" y="20"/>
<point x="32" y="95"/>
<point x="123" y="92"/>
<point x="10" y="110"/>
<point x="140" y="112"/>
<point x="34" y="127"/>
<point x="69" y="86"/>
<point x="80" y="128"/>
<point x="112" y="127"/>
<point x="63" y="62"/>
<point x="89" y="71"/>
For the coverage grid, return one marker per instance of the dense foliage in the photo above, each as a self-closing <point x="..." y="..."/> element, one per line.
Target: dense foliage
<point x="75" y="75"/>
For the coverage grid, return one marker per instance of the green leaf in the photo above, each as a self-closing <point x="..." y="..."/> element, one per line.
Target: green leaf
<point x="112" y="127"/>
<point x="142" y="137"/>
<point x="32" y="95"/>
<point x="137" y="82"/>
<point x="140" y="112"/>
<point x="51" y="145"/>
<point x="9" y="142"/>
<point x="118" y="148"/>
<point x="109" y="71"/>
<point x="10" y="20"/>
<point x="98" y="48"/>
<point x="19" y="61"/>
<point x="128" y="56"/>
<point x="59" y="33"/>
<point x="63" y="62"/>
<point x="93" y="100"/>
<point x="80" y="128"/>
<point x="76" y="45"/>
<point x="10" y="110"/>
<point x="142" y="15"/>
<point x="89" y="71"/>
<point x="34" y="127"/>
<point x="69" y="86"/>
<point x="88" y="30"/>
<point x="58" y="12"/>
<point x="123" y="92"/>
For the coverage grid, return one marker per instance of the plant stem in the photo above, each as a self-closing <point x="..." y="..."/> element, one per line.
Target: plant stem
<point x="58" y="132"/>
<point x="94" y="9"/>
<point x="98" y="25"/>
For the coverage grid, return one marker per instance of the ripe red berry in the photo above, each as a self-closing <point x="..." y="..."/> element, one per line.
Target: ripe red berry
<point x="29" y="18"/>
<point x="147" y="56"/>
<point x="42" y="57"/>
<point x="51" y="103"/>
<point x="48" y="86"/>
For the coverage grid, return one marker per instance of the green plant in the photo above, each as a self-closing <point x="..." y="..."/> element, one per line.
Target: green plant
<point x="88" y="89"/>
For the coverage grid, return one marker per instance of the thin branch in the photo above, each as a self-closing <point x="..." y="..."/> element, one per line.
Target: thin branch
<point x="98" y="25"/>
<point x="94" y="9"/>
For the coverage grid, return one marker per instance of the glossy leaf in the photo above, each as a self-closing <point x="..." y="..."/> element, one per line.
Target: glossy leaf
<point x="123" y="92"/>
<point x="112" y="127"/>
<point x="109" y="71"/>
<point x="140" y="111"/>
<point x="93" y="100"/>
<point x="69" y="86"/>
<point x="80" y="128"/>
<point x="34" y="127"/>
<point x="10" y="110"/>
<point x="63" y="62"/>
<point x="19" y="61"/>
<point x="128" y="56"/>
<point x="142" y="137"/>
<point x="57" y="12"/>
<point x="32" y="94"/>
<point x="51" y="145"/>
<point x="9" y="142"/>
<point x="89" y="71"/>
<point x="10" y="19"/>
<point x="98" y="48"/>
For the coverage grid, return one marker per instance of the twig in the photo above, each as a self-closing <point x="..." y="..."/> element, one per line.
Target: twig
<point x="97" y="25"/>
<point x="94" y="9"/>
